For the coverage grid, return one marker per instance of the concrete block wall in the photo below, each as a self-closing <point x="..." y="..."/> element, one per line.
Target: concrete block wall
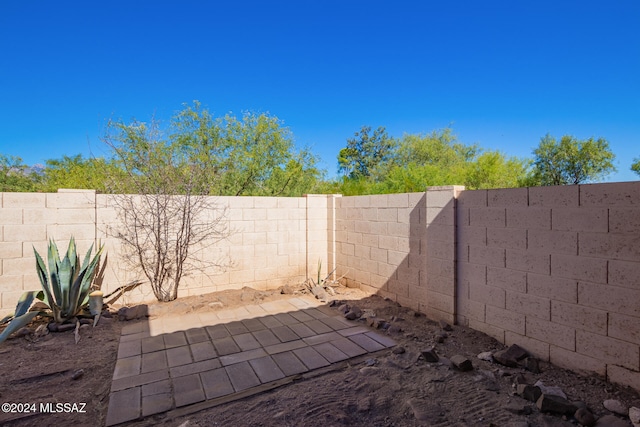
<point x="557" y="271"/>
<point x="400" y="246"/>
<point x="272" y="241"/>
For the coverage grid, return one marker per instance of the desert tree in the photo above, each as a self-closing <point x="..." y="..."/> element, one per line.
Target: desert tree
<point x="166" y="219"/>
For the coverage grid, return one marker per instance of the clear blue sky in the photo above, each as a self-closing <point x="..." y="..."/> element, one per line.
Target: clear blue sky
<point x="502" y="73"/>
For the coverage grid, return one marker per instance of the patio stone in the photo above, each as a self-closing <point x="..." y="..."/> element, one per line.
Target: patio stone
<point x="335" y="323"/>
<point x="138" y="380"/>
<point x="266" y="337"/>
<point x="266" y="369"/>
<point x="226" y="346"/>
<point x="196" y="335"/>
<point x="123" y="406"/>
<point x="270" y="321"/>
<point x="284" y="333"/>
<point x="175" y="339"/>
<point x="154" y="361"/>
<point x="236" y="328"/>
<point x="242" y="356"/>
<point x="254" y="325"/>
<point x="203" y="351"/>
<point x="246" y="341"/>
<point x="127" y="367"/>
<point x="302" y="330"/>
<point x="348" y="347"/>
<point x="187" y="390"/>
<point x="178" y="356"/>
<point x="151" y="344"/>
<point x="242" y="376"/>
<point x="316" y="313"/>
<point x="385" y="341"/>
<point x="135" y="327"/>
<point x="217" y="332"/>
<point x="319" y="339"/>
<point x="156" y="403"/>
<point x="216" y="383"/>
<point x="128" y="349"/>
<point x="311" y="358"/>
<point x="285" y="346"/>
<point x="301" y="316"/>
<point x="286" y="318"/>
<point x="318" y="327"/>
<point x="366" y="342"/>
<point x="330" y="352"/>
<point x="289" y="363"/>
<point x="195" y="368"/>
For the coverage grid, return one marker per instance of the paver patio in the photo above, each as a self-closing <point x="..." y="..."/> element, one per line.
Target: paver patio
<point x="171" y="362"/>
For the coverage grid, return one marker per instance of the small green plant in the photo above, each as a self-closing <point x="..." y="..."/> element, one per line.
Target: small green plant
<point x="21" y="316"/>
<point x="67" y="283"/>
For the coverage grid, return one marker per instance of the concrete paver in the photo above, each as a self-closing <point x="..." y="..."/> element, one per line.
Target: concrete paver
<point x="171" y="362"/>
<point x="242" y="376"/>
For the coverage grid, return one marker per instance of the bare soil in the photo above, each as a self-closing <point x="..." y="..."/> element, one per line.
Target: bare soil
<point x="385" y="389"/>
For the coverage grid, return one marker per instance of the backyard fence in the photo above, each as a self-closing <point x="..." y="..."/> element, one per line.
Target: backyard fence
<point x="553" y="269"/>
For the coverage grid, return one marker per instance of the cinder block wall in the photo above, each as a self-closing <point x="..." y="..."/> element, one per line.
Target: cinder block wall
<point x="273" y="241"/>
<point x="557" y="271"/>
<point x="401" y="246"/>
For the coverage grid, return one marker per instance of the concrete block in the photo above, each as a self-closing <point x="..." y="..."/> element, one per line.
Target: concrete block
<point x="21" y="233"/>
<point x="529" y="218"/>
<point x="73" y="199"/>
<point x="441" y="302"/>
<point x="620" y="375"/>
<point x="18" y="266"/>
<point x="610" y="194"/>
<point x="400" y="200"/>
<point x="536" y="347"/>
<point x="580" y="219"/>
<point x="487" y="217"/>
<point x="529" y="305"/>
<point x="398" y="229"/>
<point x="556" y="288"/>
<point x="11" y="250"/>
<point x="625" y="328"/>
<point x="488" y="295"/>
<point x="609" y="298"/>
<point x="388" y="214"/>
<point x="10" y="216"/>
<point x="553" y="241"/>
<point x="624" y="220"/>
<point x="554" y="196"/>
<point x="487" y="256"/>
<point x="472" y="236"/>
<point x="529" y="261"/>
<point x="611" y="350"/>
<point x="439" y="199"/>
<point x="470" y="198"/>
<point x="23" y="200"/>
<point x="378" y="200"/>
<point x="508" y="197"/>
<point x="552" y="333"/>
<point x="470" y="309"/>
<point x="513" y="280"/>
<point x="610" y="246"/>
<point x="577" y="362"/>
<point x="486" y="328"/>
<point x="579" y="267"/>
<point x="13" y="283"/>
<point x="579" y="317"/>
<point x="505" y="319"/>
<point x="508" y="238"/>
<point x="472" y="273"/>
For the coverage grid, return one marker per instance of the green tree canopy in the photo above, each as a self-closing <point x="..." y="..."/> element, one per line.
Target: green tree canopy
<point x="636" y="166"/>
<point x="571" y="160"/>
<point x="15" y="176"/>
<point x="80" y="173"/>
<point x="365" y="152"/>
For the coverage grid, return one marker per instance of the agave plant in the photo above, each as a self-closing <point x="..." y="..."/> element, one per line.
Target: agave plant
<point x="67" y="284"/>
<point x="22" y="316"/>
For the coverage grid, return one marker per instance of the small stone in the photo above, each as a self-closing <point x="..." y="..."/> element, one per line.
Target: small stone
<point x="368" y="370"/>
<point x="529" y="392"/>
<point x="52" y="326"/>
<point x="215" y="304"/>
<point x="344" y="308"/>
<point x="287" y="290"/>
<point x="41" y="331"/>
<point x="519" y="409"/>
<point x="485" y="355"/>
<point x="439" y="339"/>
<point x="398" y="350"/>
<point x="430" y="355"/>
<point x="461" y="363"/>
<point x="616" y="407"/>
<point x="585" y="417"/>
<point x="611" y="421"/>
<point x="634" y="416"/>
<point x="394" y="329"/>
<point x="22" y="332"/>
<point x="85" y="321"/>
<point x="66" y="327"/>
<point x="319" y="293"/>
<point x="555" y="404"/>
<point x="550" y="390"/>
<point x="351" y="315"/>
<point x="532" y="364"/>
<point x="510" y="356"/>
<point x="364" y="404"/>
<point x="445" y="326"/>
<point x="106" y="314"/>
<point x="77" y="374"/>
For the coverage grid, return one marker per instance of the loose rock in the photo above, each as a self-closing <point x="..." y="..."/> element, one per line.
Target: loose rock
<point x="555" y="404"/>
<point x="616" y="407"/>
<point x="445" y="326"/>
<point x="485" y="355"/>
<point x="461" y="363"/>
<point x="585" y="417"/>
<point x="610" y="421"/>
<point x="430" y="355"/>
<point x="510" y="356"/>
<point x="529" y="392"/>
<point x="634" y="416"/>
<point x="77" y="374"/>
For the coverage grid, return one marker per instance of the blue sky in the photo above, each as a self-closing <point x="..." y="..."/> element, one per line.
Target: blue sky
<point x="501" y="73"/>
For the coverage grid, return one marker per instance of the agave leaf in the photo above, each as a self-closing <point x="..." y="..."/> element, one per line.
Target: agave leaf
<point x="54" y="262"/>
<point x="66" y="284"/>
<point x="86" y="277"/>
<point x="87" y="257"/>
<point x="44" y="281"/>
<point x="17" y="323"/>
<point x="24" y="303"/>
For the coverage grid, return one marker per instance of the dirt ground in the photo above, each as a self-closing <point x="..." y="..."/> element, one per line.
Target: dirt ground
<point x="390" y="388"/>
